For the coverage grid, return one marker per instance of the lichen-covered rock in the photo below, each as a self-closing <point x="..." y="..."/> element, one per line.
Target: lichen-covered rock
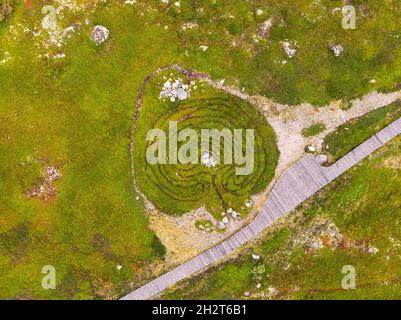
<point x="175" y="90"/>
<point x="100" y="34"/>
<point x="337" y="49"/>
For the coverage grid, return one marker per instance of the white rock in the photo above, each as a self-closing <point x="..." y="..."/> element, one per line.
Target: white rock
<point x="119" y="267"/>
<point x="208" y="160"/>
<point x="258" y="285"/>
<point x="182" y="94"/>
<point x="203" y="47"/>
<point x="229" y="210"/>
<point x="373" y="250"/>
<point x="174" y="90"/>
<point x="255" y="256"/>
<point x="289" y="49"/>
<point x="225" y="220"/>
<point x="248" y="203"/>
<point x="222" y="225"/>
<point x="337" y="49"/>
<point x="321" y="158"/>
<point x="259" y="12"/>
<point x="311" y="148"/>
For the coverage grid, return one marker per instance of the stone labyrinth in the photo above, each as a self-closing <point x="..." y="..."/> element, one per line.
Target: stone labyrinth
<point x="179" y="188"/>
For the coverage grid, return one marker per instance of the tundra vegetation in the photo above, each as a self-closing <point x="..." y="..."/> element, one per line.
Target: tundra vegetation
<point x="67" y="103"/>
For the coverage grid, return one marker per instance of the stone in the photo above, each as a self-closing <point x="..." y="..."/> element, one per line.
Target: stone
<point x="248" y="203"/>
<point x="222" y="225"/>
<point x="229" y="210"/>
<point x="321" y="158"/>
<point x="265" y="27"/>
<point x="182" y="94"/>
<point x="119" y="267"/>
<point x="337" y="49"/>
<point x="311" y="148"/>
<point x="225" y="220"/>
<point x="100" y="34"/>
<point x="373" y="250"/>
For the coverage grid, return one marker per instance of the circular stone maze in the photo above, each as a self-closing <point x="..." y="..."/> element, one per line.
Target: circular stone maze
<point x="179" y="188"/>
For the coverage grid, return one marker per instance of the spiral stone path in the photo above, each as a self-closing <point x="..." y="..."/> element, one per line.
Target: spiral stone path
<point x="298" y="183"/>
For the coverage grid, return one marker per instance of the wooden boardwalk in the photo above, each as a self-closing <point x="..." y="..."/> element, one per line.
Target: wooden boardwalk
<point x="298" y="183"/>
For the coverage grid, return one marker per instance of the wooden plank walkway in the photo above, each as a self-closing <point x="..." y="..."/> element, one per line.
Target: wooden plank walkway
<point x="298" y="183"/>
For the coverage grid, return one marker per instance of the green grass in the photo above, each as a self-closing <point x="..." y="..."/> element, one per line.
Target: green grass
<point x="363" y="204"/>
<point x="313" y="130"/>
<point x="353" y="133"/>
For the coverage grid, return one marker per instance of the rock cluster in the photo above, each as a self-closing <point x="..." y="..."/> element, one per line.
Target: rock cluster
<point x="46" y="190"/>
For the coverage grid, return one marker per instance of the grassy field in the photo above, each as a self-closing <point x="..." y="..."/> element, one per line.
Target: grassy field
<point x="74" y="113"/>
<point x="354" y="221"/>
